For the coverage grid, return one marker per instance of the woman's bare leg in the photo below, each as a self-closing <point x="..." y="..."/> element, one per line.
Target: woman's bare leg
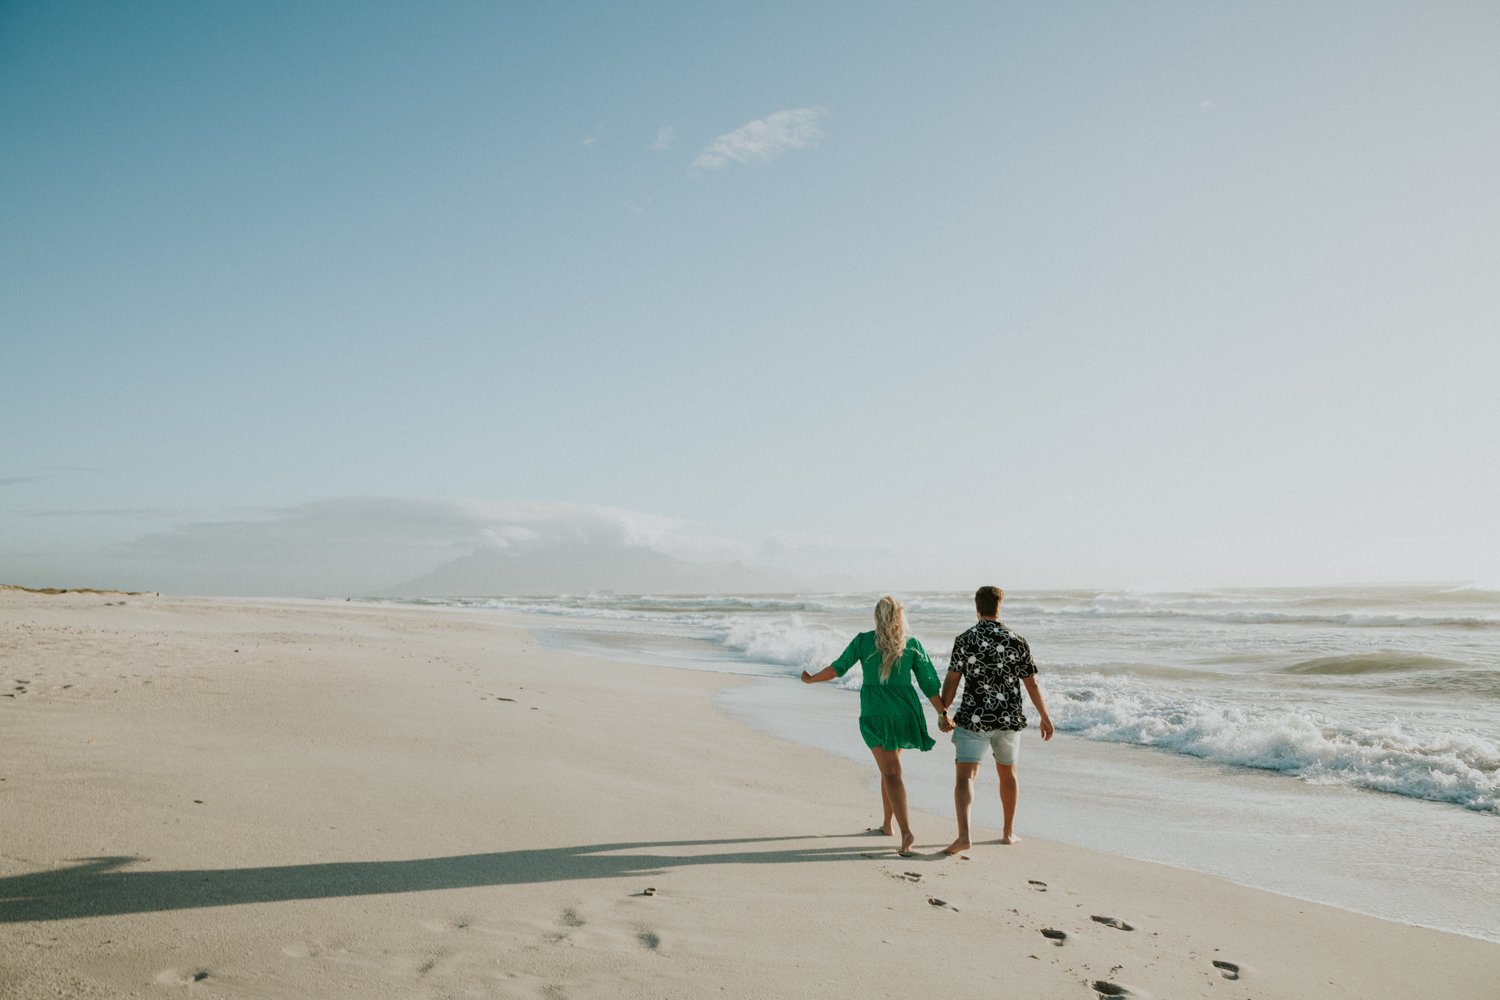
<point x="893" y="792"/>
<point x="888" y="812"/>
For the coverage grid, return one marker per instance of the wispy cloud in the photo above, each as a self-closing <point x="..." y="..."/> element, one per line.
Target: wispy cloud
<point x="129" y="513"/>
<point x="763" y="139"/>
<point x="666" y="137"/>
<point x="44" y="473"/>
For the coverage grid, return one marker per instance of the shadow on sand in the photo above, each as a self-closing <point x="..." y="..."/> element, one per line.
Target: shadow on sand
<point x="97" y="887"/>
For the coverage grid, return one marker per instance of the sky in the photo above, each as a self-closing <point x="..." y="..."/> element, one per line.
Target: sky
<point x="307" y="299"/>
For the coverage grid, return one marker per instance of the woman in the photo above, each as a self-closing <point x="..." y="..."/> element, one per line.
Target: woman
<point x="890" y="716"/>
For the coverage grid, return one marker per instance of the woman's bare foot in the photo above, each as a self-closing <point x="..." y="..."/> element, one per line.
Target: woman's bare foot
<point x="961" y="844"/>
<point x="1009" y="838"/>
<point x="881" y="829"/>
<point x="907" y="839"/>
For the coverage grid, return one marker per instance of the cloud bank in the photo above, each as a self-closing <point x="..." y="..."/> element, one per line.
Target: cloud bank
<point x="395" y="546"/>
<point x="764" y="139"/>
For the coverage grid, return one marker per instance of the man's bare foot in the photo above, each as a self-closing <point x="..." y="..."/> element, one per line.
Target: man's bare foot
<point x="961" y="844"/>
<point x="1009" y="838"/>
<point x="907" y="839"/>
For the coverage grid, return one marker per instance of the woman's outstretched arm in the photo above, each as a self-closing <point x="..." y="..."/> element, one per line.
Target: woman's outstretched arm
<point x="826" y="674"/>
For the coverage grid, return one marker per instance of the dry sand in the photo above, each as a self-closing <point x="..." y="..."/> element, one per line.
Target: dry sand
<point x="311" y="799"/>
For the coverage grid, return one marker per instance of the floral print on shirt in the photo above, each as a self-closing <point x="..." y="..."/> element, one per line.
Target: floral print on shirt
<point x="992" y="660"/>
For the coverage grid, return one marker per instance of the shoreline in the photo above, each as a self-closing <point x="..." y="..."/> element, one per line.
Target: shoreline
<point x="300" y="797"/>
<point x="1139" y="802"/>
<point x="1121" y="800"/>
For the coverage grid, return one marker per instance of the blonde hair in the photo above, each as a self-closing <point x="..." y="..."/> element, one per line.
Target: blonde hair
<point x="890" y="633"/>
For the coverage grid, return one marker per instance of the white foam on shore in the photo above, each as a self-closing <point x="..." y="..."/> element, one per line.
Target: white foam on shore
<point x="789" y="642"/>
<point x="1442" y="766"/>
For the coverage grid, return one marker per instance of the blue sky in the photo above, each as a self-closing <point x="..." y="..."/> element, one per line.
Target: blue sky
<point x="1139" y="295"/>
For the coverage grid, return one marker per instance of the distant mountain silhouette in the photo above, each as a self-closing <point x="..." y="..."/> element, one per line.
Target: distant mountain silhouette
<point x="574" y="569"/>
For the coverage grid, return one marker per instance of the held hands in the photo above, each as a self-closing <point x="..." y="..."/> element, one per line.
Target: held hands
<point x="945" y="724"/>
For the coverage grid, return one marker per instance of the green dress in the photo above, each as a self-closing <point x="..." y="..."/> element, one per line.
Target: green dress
<point x="890" y="715"/>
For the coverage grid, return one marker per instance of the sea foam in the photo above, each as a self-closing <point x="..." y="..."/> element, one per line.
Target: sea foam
<point x="1445" y="766"/>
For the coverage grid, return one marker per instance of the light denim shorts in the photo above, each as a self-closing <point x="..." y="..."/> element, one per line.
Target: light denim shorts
<point x="970" y="746"/>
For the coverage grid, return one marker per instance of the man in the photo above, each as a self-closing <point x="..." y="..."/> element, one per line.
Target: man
<point x="993" y="663"/>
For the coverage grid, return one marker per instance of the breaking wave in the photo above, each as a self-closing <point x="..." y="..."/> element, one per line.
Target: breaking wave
<point x="1456" y="766"/>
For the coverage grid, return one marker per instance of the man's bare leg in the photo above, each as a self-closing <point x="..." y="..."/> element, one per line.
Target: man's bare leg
<point x="893" y="791"/>
<point x="1008" y="791"/>
<point x="963" y="801"/>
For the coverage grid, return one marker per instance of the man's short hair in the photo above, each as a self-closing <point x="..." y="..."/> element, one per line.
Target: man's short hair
<point x="987" y="600"/>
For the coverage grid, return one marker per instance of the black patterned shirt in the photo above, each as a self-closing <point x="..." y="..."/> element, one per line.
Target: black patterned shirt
<point x="992" y="660"/>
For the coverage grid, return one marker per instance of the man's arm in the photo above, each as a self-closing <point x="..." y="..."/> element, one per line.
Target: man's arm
<point x="1041" y="707"/>
<point x="950" y="688"/>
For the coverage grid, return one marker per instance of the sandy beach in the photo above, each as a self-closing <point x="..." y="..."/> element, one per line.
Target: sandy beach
<point x="313" y="799"/>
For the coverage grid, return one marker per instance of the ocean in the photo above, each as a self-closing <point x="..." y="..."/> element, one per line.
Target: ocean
<point x="1339" y="744"/>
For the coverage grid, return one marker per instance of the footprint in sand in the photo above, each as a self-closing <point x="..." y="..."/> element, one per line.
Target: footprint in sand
<point x="1227" y="969"/>
<point x="570" y="919"/>
<point x="444" y="926"/>
<point x="1112" y="922"/>
<point x="1057" y="937"/>
<point x="176" y="977"/>
<point x="1107" y="989"/>
<point x="648" y="940"/>
<point x="1038" y="886"/>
